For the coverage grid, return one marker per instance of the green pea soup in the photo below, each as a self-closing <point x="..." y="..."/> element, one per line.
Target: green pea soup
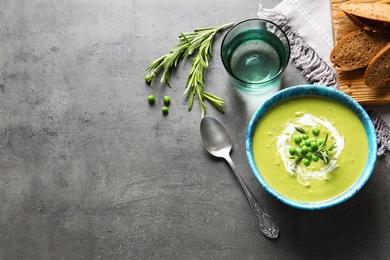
<point x="351" y="160"/>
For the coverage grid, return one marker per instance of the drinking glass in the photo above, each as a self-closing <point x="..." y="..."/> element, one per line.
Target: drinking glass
<point x="255" y="53"/>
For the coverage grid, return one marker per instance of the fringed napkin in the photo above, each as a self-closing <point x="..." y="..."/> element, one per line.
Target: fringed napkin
<point x="308" y="27"/>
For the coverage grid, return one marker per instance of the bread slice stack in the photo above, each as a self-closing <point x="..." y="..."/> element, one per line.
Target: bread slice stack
<point x="368" y="47"/>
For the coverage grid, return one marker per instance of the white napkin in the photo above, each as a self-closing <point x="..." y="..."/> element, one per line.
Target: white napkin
<point x="308" y="25"/>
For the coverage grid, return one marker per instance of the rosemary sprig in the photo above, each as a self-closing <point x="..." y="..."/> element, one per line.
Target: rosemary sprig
<point x="325" y="154"/>
<point x="198" y="44"/>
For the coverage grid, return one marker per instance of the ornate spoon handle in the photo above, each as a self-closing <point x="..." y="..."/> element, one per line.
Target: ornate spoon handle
<point x="267" y="224"/>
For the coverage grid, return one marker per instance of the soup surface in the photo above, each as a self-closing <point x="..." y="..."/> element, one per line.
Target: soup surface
<point x="290" y="174"/>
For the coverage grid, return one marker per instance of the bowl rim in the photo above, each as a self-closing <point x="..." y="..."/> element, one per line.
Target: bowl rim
<point x="327" y="92"/>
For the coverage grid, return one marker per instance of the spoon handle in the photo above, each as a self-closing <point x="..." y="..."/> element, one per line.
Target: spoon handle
<point x="267" y="224"/>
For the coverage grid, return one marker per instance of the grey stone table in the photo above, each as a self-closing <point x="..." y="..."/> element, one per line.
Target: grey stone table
<point x="88" y="170"/>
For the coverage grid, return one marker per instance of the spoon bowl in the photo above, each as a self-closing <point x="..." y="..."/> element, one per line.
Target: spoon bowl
<point x="218" y="142"/>
<point x="215" y="136"/>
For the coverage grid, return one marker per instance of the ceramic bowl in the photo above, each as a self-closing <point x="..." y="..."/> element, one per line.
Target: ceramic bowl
<point x="323" y="92"/>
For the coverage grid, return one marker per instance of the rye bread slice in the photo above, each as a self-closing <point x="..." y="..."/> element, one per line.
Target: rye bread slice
<point x="371" y="16"/>
<point x="357" y="49"/>
<point x="377" y="73"/>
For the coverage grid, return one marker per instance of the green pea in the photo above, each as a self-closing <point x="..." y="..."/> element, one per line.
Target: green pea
<point x="309" y="156"/>
<point x="292" y="150"/>
<point x="151" y="99"/>
<point x="315" y="158"/>
<point x="320" y="142"/>
<point x="314" y="145"/>
<point x="167" y="100"/>
<point x="165" y="110"/>
<point x="304" y="150"/>
<point x="305" y="136"/>
<point x="149" y="79"/>
<point x="297" y="139"/>
<point x="298" y="150"/>
<point x="306" y="162"/>
<point x="307" y="142"/>
<point x="315" y="131"/>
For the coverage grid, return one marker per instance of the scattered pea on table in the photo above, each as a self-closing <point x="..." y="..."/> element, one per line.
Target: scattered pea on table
<point x="167" y="100"/>
<point x="151" y="99"/>
<point x="165" y="110"/>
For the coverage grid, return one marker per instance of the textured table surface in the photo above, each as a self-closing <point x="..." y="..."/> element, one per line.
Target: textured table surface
<point x="88" y="170"/>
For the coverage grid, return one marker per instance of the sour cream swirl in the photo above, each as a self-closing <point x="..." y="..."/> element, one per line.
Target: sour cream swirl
<point x="303" y="173"/>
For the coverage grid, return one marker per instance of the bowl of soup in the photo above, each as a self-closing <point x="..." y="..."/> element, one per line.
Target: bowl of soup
<point x="312" y="147"/>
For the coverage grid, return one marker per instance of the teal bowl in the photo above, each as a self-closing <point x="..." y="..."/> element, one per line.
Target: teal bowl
<point x="330" y="93"/>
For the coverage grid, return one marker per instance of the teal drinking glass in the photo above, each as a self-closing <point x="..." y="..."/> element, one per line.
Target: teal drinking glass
<point x="255" y="53"/>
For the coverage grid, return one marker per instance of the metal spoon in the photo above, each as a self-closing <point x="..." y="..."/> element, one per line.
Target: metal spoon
<point x="218" y="142"/>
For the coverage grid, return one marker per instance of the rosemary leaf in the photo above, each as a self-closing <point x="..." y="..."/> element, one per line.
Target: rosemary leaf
<point x="300" y="129"/>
